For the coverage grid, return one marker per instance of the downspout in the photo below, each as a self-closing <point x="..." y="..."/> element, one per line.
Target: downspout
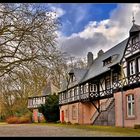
<point x="67" y="93"/>
<point x="79" y="101"/>
<point x="122" y="96"/>
<point x="122" y="108"/>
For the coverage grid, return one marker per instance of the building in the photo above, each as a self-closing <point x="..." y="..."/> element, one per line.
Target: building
<point x="107" y="92"/>
<point x="35" y="101"/>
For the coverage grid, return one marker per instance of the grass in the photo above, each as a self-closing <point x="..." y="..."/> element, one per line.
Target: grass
<point x="113" y="131"/>
<point x="109" y="130"/>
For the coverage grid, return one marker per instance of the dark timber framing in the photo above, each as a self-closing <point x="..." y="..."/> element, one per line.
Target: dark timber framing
<point x="114" y="76"/>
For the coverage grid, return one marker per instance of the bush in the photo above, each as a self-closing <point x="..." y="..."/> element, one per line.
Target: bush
<point x="69" y="122"/>
<point x="64" y="122"/>
<point x="58" y="121"/>
<point x="12" y="120"/>
<point x="24" y="120"/>
<point x="137" y="126"/>
<point x="18" y="120"/>
<point x="76" y="123"/>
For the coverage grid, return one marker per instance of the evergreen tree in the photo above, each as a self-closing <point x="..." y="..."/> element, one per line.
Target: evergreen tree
<point x="50" y="109"/>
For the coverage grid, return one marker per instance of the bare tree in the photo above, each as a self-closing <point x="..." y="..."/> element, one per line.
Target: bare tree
<point x="27" y="34"/>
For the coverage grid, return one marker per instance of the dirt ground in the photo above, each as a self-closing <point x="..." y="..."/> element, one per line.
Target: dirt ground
<point x="31" y="130"/>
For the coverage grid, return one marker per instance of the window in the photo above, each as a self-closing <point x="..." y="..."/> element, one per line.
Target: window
<point x="115" y="77"/>
<point x="107" y="82"/>
<point x="30" y="102"/>
<point x="138" y="64"/>
<point x="70" y="93"/>
<point x="135" y="39"/>
<point x="93" y="87"/>
<point x="44" y="99"/>
<point x="74" y="115"/>
<point x="86" y="88"/>
<point x="132" y="67"/>
<point x="130" y="105"/>
<point x="60" y="96"/>
<point x="107" y="61"/>
<point x="75" y="92"/>
<point x="66" y="113"/>
<point x="64" y="95"/>
<point x="72" y="78"/>
<point x="81" y="89"/>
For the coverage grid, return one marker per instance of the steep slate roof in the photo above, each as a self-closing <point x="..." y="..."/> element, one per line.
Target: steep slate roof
<point x="134" y="28"/>
<point x="63" y="85"/>
<point x="78" y="73"/>
<point x="97" y="67"/>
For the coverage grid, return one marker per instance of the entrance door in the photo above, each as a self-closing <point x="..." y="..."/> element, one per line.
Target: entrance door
<point x="62" y="116"/>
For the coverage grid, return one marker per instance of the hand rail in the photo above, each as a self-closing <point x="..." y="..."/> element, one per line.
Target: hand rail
<point x="106" y="104"/>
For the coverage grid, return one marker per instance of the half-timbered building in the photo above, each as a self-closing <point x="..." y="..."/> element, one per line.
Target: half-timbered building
<point x="107" y="92"/>
<point x="35" y="101"/>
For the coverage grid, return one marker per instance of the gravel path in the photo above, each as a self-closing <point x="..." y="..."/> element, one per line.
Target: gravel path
<point x="31" y="130"/>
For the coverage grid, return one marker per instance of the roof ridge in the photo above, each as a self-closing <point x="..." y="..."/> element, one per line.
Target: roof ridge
<point x="110" y="49"/>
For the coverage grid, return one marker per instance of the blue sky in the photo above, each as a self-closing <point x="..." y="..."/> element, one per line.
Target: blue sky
<point x="92" y="27"/>
<point x="91" y="11"/>
<point x="78" y="15"/>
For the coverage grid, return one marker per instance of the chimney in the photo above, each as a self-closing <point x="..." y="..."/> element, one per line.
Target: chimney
<point x="89" y="59"/>
<point x="100" y="52"/>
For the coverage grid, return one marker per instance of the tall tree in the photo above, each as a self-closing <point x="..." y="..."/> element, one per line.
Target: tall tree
<point x="50" y="109"/>
<point x="27" y="34"/>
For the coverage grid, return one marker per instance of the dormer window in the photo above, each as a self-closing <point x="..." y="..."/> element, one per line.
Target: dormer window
<point x="107" y="61"/>
<point x="72" y="78"/>
<point x="135" y="39"/>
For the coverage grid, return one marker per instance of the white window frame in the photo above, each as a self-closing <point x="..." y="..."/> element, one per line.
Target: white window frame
<point x="139" y="64"/>
<point x="132" y="69"/>
<point x="93" y="88"/>
<point x="77" y="90"/>
<point x="131" y="102"/>
<point x="86" y="88"/>
<point x="81" y="89"/>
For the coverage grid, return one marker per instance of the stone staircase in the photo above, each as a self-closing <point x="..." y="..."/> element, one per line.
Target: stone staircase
<point x="106" y="116"/>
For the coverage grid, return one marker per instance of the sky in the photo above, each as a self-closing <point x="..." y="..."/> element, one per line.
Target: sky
<point x="90" y="27"/>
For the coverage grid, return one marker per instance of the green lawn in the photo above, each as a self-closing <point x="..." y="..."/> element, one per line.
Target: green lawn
<point x="115" y="131"/>
<point x="109" y="130"/>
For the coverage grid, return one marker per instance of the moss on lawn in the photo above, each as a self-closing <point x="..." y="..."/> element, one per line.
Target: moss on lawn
<point x="116" y="131"/>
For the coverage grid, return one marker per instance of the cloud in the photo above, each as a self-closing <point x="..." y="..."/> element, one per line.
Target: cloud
<point x="55" y="10"/>
<point x="59" y="11"/>
<point x="80" y="14"/>
<point x="103" y="34"/>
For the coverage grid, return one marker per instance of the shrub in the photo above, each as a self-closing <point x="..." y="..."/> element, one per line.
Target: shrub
<point x="69" y="122"/>
<point x="50" y="109"/>
<point x="12" y="120"/>
<point x="18" y="120"/>
<point x="76" y="123"/>
<point x="63" y="122"/>
<point x="58" y="121"/>
<point x="24" y="120"/>
<point x="137" y="126"/>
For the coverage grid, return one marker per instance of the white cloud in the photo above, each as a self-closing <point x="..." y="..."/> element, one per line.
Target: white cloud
<point x="59" y="11"/>
<point x="104" y="34"/>
<point x="80" y="14"/>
